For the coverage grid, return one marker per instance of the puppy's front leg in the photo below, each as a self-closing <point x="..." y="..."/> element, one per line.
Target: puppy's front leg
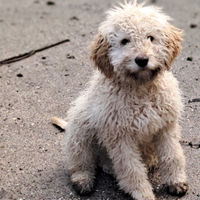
<point x="172" y="160"/>
<point x="128" y="167"/>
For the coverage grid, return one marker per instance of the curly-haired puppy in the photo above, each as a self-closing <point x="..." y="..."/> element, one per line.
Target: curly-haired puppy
<point x="132" y="107"/>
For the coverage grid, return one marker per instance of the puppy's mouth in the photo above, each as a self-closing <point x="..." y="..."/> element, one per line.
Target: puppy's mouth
<point x="143" y="75"/>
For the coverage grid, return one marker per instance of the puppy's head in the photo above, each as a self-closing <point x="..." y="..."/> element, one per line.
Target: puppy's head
<point x="135" y="42"/>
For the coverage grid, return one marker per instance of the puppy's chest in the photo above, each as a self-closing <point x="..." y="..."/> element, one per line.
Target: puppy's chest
<point x="143" y="115"/>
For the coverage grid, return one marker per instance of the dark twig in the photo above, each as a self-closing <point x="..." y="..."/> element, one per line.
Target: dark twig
<point x="26" y="55"/>
<point x="191" y="144"/>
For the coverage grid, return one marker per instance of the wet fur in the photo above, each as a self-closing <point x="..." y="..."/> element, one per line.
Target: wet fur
<point x="129" y="116"/>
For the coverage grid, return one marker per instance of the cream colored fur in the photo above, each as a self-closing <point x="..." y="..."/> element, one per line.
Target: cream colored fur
<point x="129" y="112"/>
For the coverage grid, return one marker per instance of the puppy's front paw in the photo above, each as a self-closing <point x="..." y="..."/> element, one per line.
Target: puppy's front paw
<point x="145" y="195"/>
<point x="178" y="189"/>
<point x="82" y="182"/>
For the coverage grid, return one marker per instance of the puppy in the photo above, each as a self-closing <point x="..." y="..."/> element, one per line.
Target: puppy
<point x="132" y="107"/>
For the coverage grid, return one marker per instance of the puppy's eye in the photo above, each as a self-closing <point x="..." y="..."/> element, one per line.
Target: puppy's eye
<point x="125" y="41"/>
<point x="151" y="38"/>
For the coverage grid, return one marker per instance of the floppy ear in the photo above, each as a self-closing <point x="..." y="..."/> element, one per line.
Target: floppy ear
<point x="174" y="37"/>
<point x="100" y="50"/>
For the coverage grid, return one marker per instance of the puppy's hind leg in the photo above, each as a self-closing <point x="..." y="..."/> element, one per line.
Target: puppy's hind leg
<point x="81" y="157"/>
<point x="172" y="160"/>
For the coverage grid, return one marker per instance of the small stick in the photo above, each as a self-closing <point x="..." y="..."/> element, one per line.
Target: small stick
<point x="26" y="55"/>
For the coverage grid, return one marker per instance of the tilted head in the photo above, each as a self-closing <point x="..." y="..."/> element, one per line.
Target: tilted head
<point x="135" y="42"/>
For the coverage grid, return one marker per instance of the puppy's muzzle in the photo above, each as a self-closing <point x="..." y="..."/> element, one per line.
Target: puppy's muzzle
<point x="142" y="60"/>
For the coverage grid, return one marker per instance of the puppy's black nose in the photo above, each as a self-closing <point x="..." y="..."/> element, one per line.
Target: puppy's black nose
<point x="142" y="60"/>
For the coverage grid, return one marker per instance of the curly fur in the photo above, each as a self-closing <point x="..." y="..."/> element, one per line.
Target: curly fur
<point x="129" y="112"/>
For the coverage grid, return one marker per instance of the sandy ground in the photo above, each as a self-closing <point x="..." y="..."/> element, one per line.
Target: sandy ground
<point x="43" y="85"/>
